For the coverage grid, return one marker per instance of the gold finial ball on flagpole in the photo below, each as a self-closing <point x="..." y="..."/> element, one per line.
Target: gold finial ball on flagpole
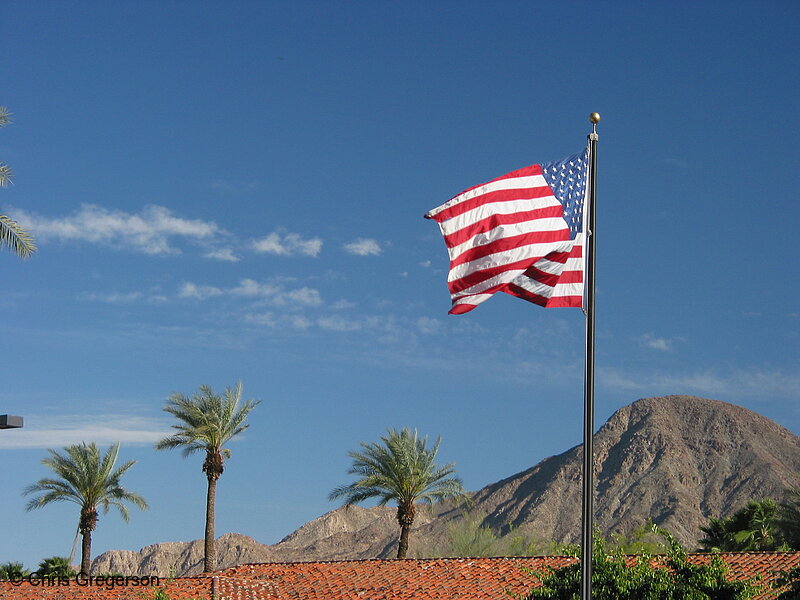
<point x="594" y="118"/>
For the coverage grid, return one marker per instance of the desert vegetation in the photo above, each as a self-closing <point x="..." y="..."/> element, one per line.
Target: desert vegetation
<point x="760" y="525"/>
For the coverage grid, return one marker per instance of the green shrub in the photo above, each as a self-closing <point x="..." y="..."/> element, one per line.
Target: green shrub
<point x="613" y="579"/>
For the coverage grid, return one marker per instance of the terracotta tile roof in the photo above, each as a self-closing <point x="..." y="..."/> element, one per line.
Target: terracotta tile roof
<point x="182" y="588"/>
<point x="426" y="579"/>
<point x="420" y="579"/>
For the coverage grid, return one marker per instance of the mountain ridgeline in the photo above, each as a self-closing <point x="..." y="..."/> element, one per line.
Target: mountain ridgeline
<point x="675" y="460"/>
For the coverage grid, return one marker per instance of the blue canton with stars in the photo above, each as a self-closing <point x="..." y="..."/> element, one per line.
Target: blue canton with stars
<point x="567" y="179"/>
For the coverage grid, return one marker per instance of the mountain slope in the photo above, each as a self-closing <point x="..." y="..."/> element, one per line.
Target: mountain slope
<point x="676" y="460"/>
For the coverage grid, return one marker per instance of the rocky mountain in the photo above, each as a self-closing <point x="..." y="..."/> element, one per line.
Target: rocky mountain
<point x="676" y="460"/>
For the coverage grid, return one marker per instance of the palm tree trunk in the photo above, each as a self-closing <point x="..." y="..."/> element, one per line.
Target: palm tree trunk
<point x="405" y="516"/>
<point x="86" y="552"/>
<point x="402" y="547"/>
<point x="86" y="525"/>
<point x="210" y="560"/>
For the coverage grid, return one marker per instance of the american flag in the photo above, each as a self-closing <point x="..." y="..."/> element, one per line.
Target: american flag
<point x="522" y="234"/>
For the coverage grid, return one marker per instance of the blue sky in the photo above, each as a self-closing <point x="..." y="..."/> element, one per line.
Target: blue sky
<point x="235" y="191"/>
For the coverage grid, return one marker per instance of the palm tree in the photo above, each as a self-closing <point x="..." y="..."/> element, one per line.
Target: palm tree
<point x="760" y="532"/>
<point x="399" y="469"/>
<point x="56" y="566"/>
<point x="90" y="481"/>
<point x="207" y="423"/>
<point x="789" y="518"/>
<point x="752" y="528"/>
<point x="11" y="234"/>
<point x="12" y="569"/>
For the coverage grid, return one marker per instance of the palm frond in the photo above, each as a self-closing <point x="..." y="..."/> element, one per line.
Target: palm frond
<point x="400" y="468"/>
<point x="85" y="477"/>
<point x="11" y="234"/>
<point x="206" y="420"/>
<point x="6" y="174"/>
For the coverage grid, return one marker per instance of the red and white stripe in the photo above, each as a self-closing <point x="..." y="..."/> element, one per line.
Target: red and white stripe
<point x="509" y="235"/>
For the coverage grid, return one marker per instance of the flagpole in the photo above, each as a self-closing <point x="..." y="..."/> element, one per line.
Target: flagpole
<point x="588" y="379"/>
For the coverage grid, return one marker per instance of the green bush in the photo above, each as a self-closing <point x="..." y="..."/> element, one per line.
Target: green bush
<point x="613" y="579"/>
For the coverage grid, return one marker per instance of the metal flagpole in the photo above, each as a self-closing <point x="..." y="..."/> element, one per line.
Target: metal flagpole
<point x="588" y="378"/>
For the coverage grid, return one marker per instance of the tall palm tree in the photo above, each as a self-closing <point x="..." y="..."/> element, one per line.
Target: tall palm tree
<point x="207" y="423"/>
<point x="11" y="234"/>
<point x="90" y="481"/>
<point x="400" y="469"/>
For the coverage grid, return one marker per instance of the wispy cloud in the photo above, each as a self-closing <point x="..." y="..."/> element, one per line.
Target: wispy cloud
<point x="198" y="292"/>
<point x="429" y="325"/>
<point x="274" y="293"/>
<point x="56" y="431"/>
<point x="287" y="244"/>
<point x="343" y="304"/>
<point x="153" y="296"/>
<point x="649" y="340"/>
<point x="150" y="231"/>
<point x="363" y="247"/>
<point x="339" y="323"/>
<point x="114" y="298"/>
<point x="224" y="254"/>
<point x="271" y="320"/>
<point x="742" y="382"/>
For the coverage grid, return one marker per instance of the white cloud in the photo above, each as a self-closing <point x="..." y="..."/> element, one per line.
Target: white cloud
<point x="648" y="340"/>
<point x="337" y="323"/>
<point x="151" y="297"/>
<point x="225" y="254"/>
<point x="363" y="247"/>
<point x="428" y="325"/>
<point x="250" y="288"/>
<point x="266" y="319"/>
<point x="425" y="263"/>
<point x="305" y="296"/>
<point x="287" y="244"/>
<point x="148" y="231"/>
<point x="739" y="383"/>
<point x="114" y="298"/>
<point x="54" y="431"/>
<point x="343" y="305"/>
<point x="299" y="322"/>
<point x="199" y="292"/>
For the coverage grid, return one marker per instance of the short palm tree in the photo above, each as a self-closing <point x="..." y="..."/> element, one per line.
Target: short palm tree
<point x="9" y="570"/>
<point x="90" y="480"/>
<point x="56" y="566"/>
<point x="11" y="234"/>
<point x="760" y="533"/>
<point x="789" y="518"/>
<point x="400" y="469"/>
<point x="207" y="423"/>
